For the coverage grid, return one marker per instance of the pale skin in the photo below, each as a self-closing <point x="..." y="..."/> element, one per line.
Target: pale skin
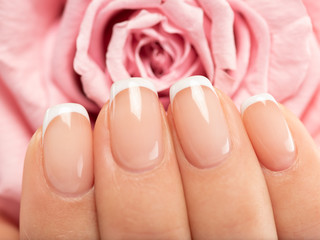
<point x="237" y="199"/>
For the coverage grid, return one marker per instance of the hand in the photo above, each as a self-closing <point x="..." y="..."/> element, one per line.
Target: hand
<point x="192" y="173"/>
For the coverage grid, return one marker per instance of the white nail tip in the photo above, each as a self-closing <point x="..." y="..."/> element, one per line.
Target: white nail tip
<point x="60" y="109"/>
<point x="121" y="85"/>
<point x="189" y="82"/>
<point x="256" y="98"/>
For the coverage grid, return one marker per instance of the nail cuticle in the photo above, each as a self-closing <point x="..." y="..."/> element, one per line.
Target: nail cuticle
<point x="283" y="172"/>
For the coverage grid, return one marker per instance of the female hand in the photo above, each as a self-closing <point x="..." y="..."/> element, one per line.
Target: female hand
<point x="192" y="173"/>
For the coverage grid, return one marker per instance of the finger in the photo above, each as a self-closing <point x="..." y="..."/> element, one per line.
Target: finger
<point x="291" y="165"/>
<point x="57" y="196"/>
<point x="138" y="187"/>
<point x="224" y="187"/>
<point x="7" y="229"/>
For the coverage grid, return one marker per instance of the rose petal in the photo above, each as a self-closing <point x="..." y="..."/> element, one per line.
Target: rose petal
<point x="304" y="103"/>
<point x="255" y="80"/>
<point x="64" y="52"/>
<point x="243" y="40"/>
<point x="185" y="60"/>
<point x="14" y="137"/>
<point x="290" y="59"/>
<point x="313" y="9"/>
<point x="115" y="54"/>
<point x="27" y="36"/>
<point x="97" y="14"/>
<point x="230" y="81"/>
<point x="222" y="36"/>
<point x="167" y="41"/>
<point x="22" y="38"/>
<point x="190" y="20"/>
<point x="290" y="30"/>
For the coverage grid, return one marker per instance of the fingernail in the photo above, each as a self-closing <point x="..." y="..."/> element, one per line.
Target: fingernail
<point x="269" y="132"/>
<point x="135" y="124"/>
<point x="200" y="122"/>
<point x="67" y="148"/>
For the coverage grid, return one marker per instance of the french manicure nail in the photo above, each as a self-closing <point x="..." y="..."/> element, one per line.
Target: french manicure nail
<point x="135" y="125"/>
<point x="67" y="148"/>
<point x="200" y="122"/>
<point x="269" y="132"/>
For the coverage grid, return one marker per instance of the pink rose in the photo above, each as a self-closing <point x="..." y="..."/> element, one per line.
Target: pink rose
<point x="55" y="51"/>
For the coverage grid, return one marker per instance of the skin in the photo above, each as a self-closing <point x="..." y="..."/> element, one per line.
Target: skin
<point x="229" y="201"/>
<point x="46" y="214"/>
<point x="8" y="229"/>
<point x="294" y="192"/>
<point x="185" y="201"/>
<point x="138" y="205"/>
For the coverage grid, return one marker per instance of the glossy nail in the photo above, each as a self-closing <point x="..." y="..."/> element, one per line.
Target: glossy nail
<point x="67" y="149"/>
<point x="200" y="122"/>
<point x="135" y="124"/>
<point x="269" y="132"/>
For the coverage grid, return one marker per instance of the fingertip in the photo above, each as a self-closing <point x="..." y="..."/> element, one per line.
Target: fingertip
<point x="7" y="229"/>
<point x="121" y="85"/>
<point x="189" y="82"/>
<point x="46" y="212"/>
<point x="254" y="99"/>
<point x="59" y="109"/>
<point x="292" y="176"/>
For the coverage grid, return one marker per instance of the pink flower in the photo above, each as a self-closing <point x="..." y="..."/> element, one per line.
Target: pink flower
<point x="55" y="51"/>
